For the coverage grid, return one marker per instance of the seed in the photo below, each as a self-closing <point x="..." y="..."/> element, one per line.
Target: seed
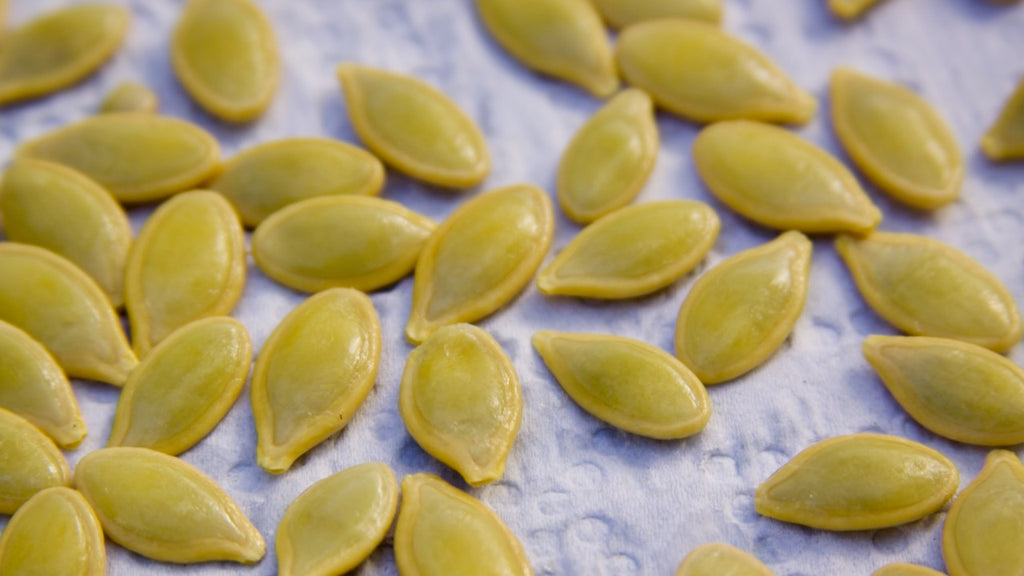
<point x="165" y="509"/>
<point x="313" y="373"/>
<point x="337" y="523"/>
<point x="780" y="180"/>
<point x="718" y="559"/>
<point x="850" y="9"/>
<point x="627" y="383"/>
<point x="633" y="251"/>
<point x="901" y="569"/>
<point x="924" y="287"/>
<point x="741" y="311"/>
<point x="340" y="241"/>
<point x="480" y="258"/>
<point x="1004" y="140"/>
<point x="859" y="482"/>
<point x="130" y="97"/>
<point x="29" y="462"/>
<point x="623" y="13"/>
<point x="55" y="532"/>
<point x="187" y="263"/>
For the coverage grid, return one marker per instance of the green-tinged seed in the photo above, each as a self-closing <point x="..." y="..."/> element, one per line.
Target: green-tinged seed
<point x="623" y="13"/>
<point x="130" y="97"/>
<point x="1004" y="139"/>
<point x="721" y="560"/>
<point x="29" y="462"/>
<point x="55" y="532"/>
<point x="850" y="9"/>
<point x="902" y="569"/>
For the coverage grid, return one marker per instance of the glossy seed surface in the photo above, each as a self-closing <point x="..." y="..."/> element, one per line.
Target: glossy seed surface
<point x="55" y="532"/>
<point x="438" y="523"/>
<point x="927" y="288"/>
<point x="610" y="158"/>
<point x="338" y="522"/>
<point x="738" y="313"/>
<point x="130" y="97"/>
<point x="460" y="400"/>
<point x="623" y="13"/>
<point x="340" y="241"/>
<point x="721" y="560"/>
<point x="187" y="263"/>
<point x="780" y="180"/>
<point x="859" y="482"/>
<point x="627" y="383"/>
<point x="29" y="462"/>
<point x="414" y="127"/>
<point x="902" y="569"/>
<point x="850" y="9"/>
<point x="1004" y="139"/>
<point x="633" y="251"/>
<point x="480" y="258"/>
<point x="313" y="373"/>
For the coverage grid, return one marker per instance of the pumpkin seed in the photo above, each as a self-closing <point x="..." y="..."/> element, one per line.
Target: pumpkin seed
<point x="480" y="257"/>
<point x="438" y="523"/>
<point x="901" y="569"/>
<point x="561" y="38"/>
<point x="58" y="49"/>
<point x="225" y="55"/>
<point x="187" y="263"/>
<point x="130" y="97"/>
<point x="268" y="177"/>
<point x="623" y="13"/>
<point x="33" y="386"/>
<point x="859" y="482"/>
<point x="850" y="9"/>
<point x="460" y="400"/>
<point x="29" y="462"/>
<point x="414" y="127"/>
<point x="59" y="209"/>
<point x="627" y="383"/>
<point x="55" y="532"/>
<point x="718" y="559"/>
<point x="741" y="311"/>
<point x="62" y="307"/>
<point x="608" y="161"/>
<point x="780" y="180"/>
<point x="925" y="287"/>
<point x="699" y="72"/>
<point x="346" y="241"/>
<point x="313" y="373"/>
<point x="897" y="139"/>
<point x="338" y="522"/>
<point x="1004" y="140"/>
<point x="165" y="509"/>
<point x="633" y="251"/>
<point x="139" y="157"/>
<point x="983" y="531"/>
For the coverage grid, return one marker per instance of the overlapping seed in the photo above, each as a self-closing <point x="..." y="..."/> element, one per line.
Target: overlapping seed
<point x="623" y="13"/>
<point x="850" y="9"/>
<point x="29" y="462"/>
<point x="903" y="569"/>
<point x="1004" y="139"/>
<point x="55" y="532"/>
<point x="130" y="97"/>
<point x="721" y="559"/>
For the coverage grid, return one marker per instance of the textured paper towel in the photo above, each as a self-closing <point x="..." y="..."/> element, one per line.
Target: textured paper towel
<point x="583" y="497"/>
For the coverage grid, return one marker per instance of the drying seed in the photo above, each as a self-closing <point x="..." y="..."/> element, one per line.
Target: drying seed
<point x="633" y="251"/>
<point x="850" y="9"/>
<point x="699" y="72"/>
<point x="623" y="13"/>
<point x="741" y="311"/>
<point x="721" y="559"/>
<point x="338" y="522"/>
<point x="924" y="287"/>
<point x="340" y="241"/>
<point x="130" y="97"/>
<point x="225" y="55"/>
<point x="460" y="400"/>
<point x="29" y="462"/>
<point x="627" y="383"/>
<point x="55" y="532"/>
<point x="901" y="569"/>
<point x="414" y="127"/>
<point x="480" y="258"/>
<point x="313" y="373"/>
<point x="780" y="180"/>
<point x="438" y="523"/>
<point x="187" y="263"/>
<point x="165" y="509"/>
<point x="608" y="161"/>
<point x="1004" y="140"/>
<point x="859" y="482"/>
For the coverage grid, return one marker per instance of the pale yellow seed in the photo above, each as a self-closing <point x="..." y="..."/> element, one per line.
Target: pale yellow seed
<point x="130" y="97"/>
<point x="720" y="560"/>
<point x="55" y="532"/>
<point x="850" y="9"/>
<point x="1004" y="139"/>
<point x="902" y="569"/>
<point x="623" y="13"/>
<point x="29" y="462"/>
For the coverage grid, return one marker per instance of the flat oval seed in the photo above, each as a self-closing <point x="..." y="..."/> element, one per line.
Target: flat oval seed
<point x="608" y="161"/>
<point x="414" y="127"/>
<point x="897" y="138"/>
<point x="165" y="509"/>
<point x="925" y="287"/>
<point x="721" y="559"/>
<point x="627" y="383"/>
<point x="741" y="311"/>
<point x="859" y="482"/>
<point x="697" y="71"/>
<point x="623" y="13"/>
<point x="55" y="532"/>
<point x="187" y="263"/>
<point x="225" y="55"/>
<point x="183" y="388"/>
<point x="62" y="307"/>
<point x="780" y="180"/>
<point x="139" y="157"/>
<point x="902" y="569"/>
<point x="313" y="373"/>
<point x="29" y="462"/>
<point x="62" y="210"/>
<point x="130" y="97"/>
<point x="265" y="178"/>
<point x="480" y="257"/>
<point x="1004" y="140"/>
<point x="850" y="9"/>
<point x="633" y="251"/>
<point x="438" y="524"/>
<point x="338" y="522"/>
<point x="460" y="400"/>
<point x="340" y="241"/>
<point x="58" y="49"/>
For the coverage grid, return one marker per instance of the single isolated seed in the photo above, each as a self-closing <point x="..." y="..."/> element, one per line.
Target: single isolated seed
<point x="130" y="97"/>
<point x="718" y="559"/>
<point x="29" y="462"/>
<point x="623" y="13"/>
<point x="1004" y="140"/>
<point x="902" y="569"/>
<point x="850" y="9"/>
<point x="55" y="532"/>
